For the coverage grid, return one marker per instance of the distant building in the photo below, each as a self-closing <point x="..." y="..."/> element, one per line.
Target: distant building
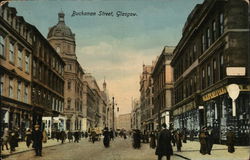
<point x="136" y="115"/>
<point x="162" y="75"/>
<point x="124" y="122"/>
<point x="212" y="54"/>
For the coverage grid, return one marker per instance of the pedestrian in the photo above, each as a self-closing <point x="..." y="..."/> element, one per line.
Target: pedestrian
<point x="203" y="141"/>
<point x="93" y="136"/>
<point x="86" y="135"/>
<point x="173" y="138"/>
<point x="37" y="137"/>
<point x="152" y="140"/>
<point x="164" y="147"/>
<point x="210" y="139"/>
<point x="45" y="137"/>
<point x="192" y="135"/>
<point x="76" y="136"/>
<point x="178" y="138"/>
<point x="28" y="136"/>
<point x="137" y="139"/>
<point x="5" y="138"/>
<point x="111" y="134"/>
<point x="230" y="140"/>
<point x="184" y="134"/>
<point x="16" y="136"/>
<point x="58" y="136"/>
<point x="70" y="136"/>
<point x="62" y="136"/>
<point x="12" y="141"/>
<point x="106" y="139"/>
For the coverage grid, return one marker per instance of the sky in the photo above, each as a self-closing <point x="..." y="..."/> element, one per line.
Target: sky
<point x="111" y="47"/>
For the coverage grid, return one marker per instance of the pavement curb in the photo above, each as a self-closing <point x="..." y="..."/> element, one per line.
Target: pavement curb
<point x="181" y="156"/>
<point x="14" y="153"/>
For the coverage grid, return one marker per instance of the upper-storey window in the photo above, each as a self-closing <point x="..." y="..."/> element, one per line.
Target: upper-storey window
<point x="11" y="53"/>
<point x="1" y="84"/>
<point x="208" y="37"/>
<point x="20" y="57"/>
<point x="11" y="87"/>
<point x="214" y="34"/>
<point x="221" y="24"/>
<point x="2" y="46"/>
<point x="27" y="62"/>
<point x="203" y="47"/>
<point x="208" y="75"/>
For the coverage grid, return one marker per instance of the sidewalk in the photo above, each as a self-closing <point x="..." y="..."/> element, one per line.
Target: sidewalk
<point x="22" y="147"/>
<point x="191" y="150"/>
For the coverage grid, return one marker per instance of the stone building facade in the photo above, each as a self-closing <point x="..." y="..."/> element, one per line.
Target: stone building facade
<point x="212" y="54"/>
<point x="124" y="122"/>
<point x="62" y="39"/>
<point x="162" y="76"/>
<point x="136" y="115"/>
<point x="31" y="87"/>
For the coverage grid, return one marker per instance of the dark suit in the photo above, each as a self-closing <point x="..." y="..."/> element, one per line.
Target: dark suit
<point x="164" y="147"/>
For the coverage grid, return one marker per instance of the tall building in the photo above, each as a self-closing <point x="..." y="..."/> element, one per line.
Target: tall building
<point x="62" y="39"/>
<point x="212" y="54"/>
<point x="162" y="76"/>
<point x="31" y="84"/>
<point x="124" y="122"/>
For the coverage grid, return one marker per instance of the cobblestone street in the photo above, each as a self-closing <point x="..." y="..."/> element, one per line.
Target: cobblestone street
<point x="122" y="150"/>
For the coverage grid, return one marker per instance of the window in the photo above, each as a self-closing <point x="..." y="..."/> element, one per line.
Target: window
<point x="26" y="92"/>
<point x="69" y="85"/>
<point x="214" y="70"/>
<point x="20" y="56"/>
<point x="69" y="67"/>
<point x="194" y="52"/>
<point x="214" y="36"/>
<point x="69" y="103"/>
<point x="221" y="24"/>
<point x="2" y="46"/>
<point x="221" y="66"/>
<point x="11" y="87"/>
<point x="27" y="63"/>
<point x="203" y="43"/>
<point x="208" y="37"/>
<point x="203" y="78"/>
<point x="19" y="85"/>
<point x="58" y="50"/>
<point x="34" y="68"/>
<point x="1" y="84"/>
<point x="11" y="53"/>
<point x="208" y="75"/>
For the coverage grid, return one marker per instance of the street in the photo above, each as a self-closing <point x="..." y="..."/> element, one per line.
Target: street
<point x="122" y="150"/>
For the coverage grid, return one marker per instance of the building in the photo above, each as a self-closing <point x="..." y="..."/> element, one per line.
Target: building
<point x="146" y="97"/>
<point x="62" y="39"/>
<point x="16" y="41"/>
<point x="31" y="87"/>
<point x="212" y="54"/>
<point x="162" y="75"/>
<point x="124" y="122"/>
<point x="136" y="115"/>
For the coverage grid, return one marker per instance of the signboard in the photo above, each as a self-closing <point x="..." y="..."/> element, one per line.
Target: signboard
<point x="233" y="92"/>
<point x="214" y="94"/>
<point x="236" y="71"/>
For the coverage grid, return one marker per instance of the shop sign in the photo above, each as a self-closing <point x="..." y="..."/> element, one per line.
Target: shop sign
<point x="214" y="94"/>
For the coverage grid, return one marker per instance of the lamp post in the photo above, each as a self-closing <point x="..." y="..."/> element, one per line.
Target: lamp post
<point x="113" y="109"/>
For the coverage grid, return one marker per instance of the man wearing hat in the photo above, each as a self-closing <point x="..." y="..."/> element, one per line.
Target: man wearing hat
<point x="37" y="140"/>
<point x="164" y="147"/>
<point x="230" y="140"/>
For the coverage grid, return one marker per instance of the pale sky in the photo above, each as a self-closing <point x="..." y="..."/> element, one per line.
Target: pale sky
<point x="114" y="47"/>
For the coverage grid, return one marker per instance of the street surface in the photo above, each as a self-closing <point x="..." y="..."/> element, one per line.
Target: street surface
<point x="121" y="149"/>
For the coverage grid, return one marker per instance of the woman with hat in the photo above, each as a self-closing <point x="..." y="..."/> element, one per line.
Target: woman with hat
<point x="37" y="140"/>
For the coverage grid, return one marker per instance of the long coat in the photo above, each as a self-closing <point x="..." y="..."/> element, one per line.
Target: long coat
<point x="106" y="138"/>
<point x="37" y="139"/>
<point x="28" y="138"/>
<point x="203" y="142"/>
<point x="230" y="141"/>
<point x="164" y="147"/>
<point x="152" y="140"/>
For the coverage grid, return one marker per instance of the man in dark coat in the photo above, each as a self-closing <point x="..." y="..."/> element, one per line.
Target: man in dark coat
<point x="62" y="136"/>
<point x="37" y="140"/>
<point x="152" y="140"/>
<point x="111" y="134"/>
<point x="164" y="147"/>
<point x="106" y="138"/>
<point x="76" y="135"/>
<point x="137" y="139"/>
<point x="70" y="136"/>
<point x="178" y="138"/>
<point x="230" y="141"/>
<point x="210" y="139"/>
